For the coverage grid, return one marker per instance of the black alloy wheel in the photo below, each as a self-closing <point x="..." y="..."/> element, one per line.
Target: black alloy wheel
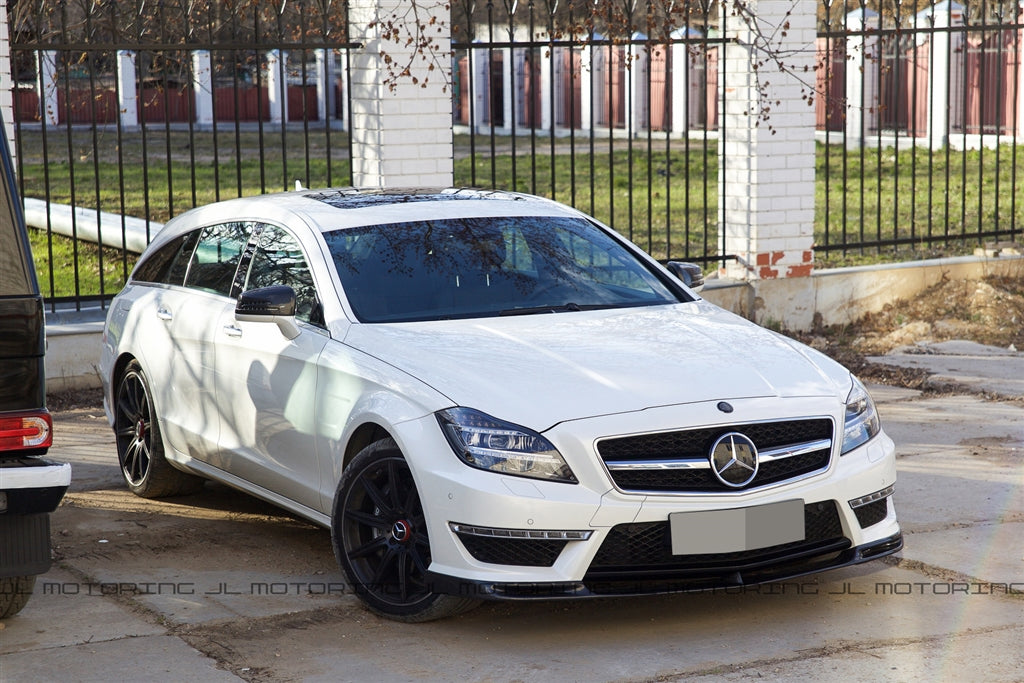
<point x="140" y="449"/>
<point x="380" y="538"/>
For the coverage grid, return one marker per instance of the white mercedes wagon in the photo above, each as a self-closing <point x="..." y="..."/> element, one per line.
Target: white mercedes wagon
<point x="487" y="395"/>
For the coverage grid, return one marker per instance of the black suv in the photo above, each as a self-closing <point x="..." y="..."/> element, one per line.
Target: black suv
<point x="31" y="486"/>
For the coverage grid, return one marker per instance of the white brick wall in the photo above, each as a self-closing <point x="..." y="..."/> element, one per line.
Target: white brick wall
<point x="766" y="174"/>
<point x="6" y="80"/>
<point x="400" y="137"/>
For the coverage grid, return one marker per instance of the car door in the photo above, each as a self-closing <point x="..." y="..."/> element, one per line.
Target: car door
<point x="266" y="383"/>
<point x="184" y="379"/>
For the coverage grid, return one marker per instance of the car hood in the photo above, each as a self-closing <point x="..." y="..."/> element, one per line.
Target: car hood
<point x="540" y="370"/>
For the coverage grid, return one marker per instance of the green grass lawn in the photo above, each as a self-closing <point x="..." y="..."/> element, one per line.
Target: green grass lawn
<point x="665" y="200"/>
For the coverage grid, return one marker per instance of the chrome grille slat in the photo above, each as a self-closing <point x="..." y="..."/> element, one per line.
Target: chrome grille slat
<point x="658" y="464"/>
<point x="677" y="461"/>
<point x="689" y="464"/>
<point x="769" y="455"/>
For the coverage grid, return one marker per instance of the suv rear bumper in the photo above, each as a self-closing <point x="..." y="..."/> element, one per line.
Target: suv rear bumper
<point x="32" y="485"/>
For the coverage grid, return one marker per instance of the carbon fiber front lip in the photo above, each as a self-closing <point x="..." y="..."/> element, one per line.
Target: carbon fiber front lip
<point x="639" y="584"/>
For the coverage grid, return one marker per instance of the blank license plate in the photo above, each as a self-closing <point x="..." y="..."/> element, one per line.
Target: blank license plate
<point x="729" y="531"/>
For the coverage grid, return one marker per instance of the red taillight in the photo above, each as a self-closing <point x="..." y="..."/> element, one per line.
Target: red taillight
<point x="20" y="431"/>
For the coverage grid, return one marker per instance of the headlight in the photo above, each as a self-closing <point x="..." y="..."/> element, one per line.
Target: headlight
<point x="487" y="443"/>
<point x="861" y="418"/>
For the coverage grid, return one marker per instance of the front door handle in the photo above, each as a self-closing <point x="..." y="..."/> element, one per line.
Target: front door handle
<point x="163" y="314"/>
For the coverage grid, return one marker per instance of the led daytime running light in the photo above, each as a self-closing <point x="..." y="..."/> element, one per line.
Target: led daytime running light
<point x="535" y="534"/>
<point x="872" y="497"/>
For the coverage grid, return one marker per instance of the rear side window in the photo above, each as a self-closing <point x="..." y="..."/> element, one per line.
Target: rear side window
<point x="216" y="258"/>
<point x="168" y="264"/>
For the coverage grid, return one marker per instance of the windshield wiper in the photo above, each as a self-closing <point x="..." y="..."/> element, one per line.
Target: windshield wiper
<point x="561" y="308"/>
<point x="573" y="306"/>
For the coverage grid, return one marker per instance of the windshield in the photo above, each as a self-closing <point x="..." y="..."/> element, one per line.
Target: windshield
<point x="475" y="267"/>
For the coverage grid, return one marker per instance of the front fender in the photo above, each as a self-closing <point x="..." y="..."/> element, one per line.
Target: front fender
<point x="355" y="390"/>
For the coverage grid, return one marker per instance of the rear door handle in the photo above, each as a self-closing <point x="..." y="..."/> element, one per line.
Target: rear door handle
<point x="164" y="314"/>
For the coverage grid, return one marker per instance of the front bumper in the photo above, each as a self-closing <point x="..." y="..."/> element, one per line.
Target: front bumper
<point x="496" y="536"/>
<point x="726" y="575"/>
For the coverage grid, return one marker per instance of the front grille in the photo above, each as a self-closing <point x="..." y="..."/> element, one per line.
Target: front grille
<point x="872" y="513"/>
<point x="523" y="552"/>
<point x="632" y="548"/>
<point x="692" y="446"/>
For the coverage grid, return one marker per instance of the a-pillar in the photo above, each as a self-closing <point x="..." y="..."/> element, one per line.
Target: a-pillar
<point x="767" y="158"/>
<point x="401" y="136"/>
<point x="202" y="86"/>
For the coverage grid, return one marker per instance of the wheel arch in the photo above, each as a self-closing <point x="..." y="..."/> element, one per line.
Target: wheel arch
<point x="363" y="436"/>
<point x="116" y="373"/>
<point x="119" y="367"/>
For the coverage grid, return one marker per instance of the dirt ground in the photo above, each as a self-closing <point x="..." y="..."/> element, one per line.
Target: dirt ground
<point x="988" y="311"/>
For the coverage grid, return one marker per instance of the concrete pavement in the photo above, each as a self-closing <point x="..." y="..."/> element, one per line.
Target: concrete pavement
<point x="950" y="608"/>
<point x="973" y="366"/>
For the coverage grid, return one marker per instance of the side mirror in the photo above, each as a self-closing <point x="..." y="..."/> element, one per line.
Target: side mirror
<point x="269" y="304"/>
<point x="690" y="273"/>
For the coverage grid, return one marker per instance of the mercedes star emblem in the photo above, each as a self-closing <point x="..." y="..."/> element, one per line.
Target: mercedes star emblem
<point x="734" y="459"/>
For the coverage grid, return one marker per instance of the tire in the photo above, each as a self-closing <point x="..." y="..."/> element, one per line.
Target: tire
<point x="14" y="594"/>
<point x="380" y="538"/>
<point x="140" y="446"/>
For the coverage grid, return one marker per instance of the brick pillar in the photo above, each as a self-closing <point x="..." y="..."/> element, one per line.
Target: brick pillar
<point x="680" y="74"/>
<point x="400" y="137"/>
<point x="127" y="89"/>
<point x="46" y="85"/>
<point x="862" y="89"/>
<point x="277" y="85"/>
<point x="766" y="164"/>
<point x="6" y="81"/>
<point x="325" y="80"/>
<point x="202" y="86"/>
<point x="1020" y="77"/>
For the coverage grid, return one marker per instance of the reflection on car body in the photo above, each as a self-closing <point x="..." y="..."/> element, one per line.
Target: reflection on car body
<point x="487" y="395"/>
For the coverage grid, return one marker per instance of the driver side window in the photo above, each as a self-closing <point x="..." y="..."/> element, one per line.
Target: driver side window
<point x="278" y="260"/>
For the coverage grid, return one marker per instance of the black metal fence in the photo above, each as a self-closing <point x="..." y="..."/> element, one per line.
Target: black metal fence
<point x="933" y="165"/>
<point x="141" y="109"/>
<point x="920" y="121"/>
<point x="606" y="106"/>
